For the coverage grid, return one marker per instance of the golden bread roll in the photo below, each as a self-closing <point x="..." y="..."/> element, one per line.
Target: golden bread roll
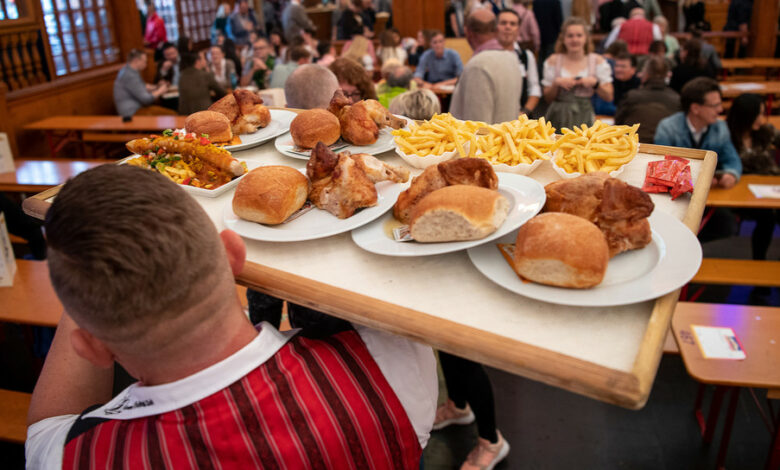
<point x="560" y="249"/>
<point x="215" y="125"/>
<point x="458" y="212"/>
<point x="270" y="194"/>
<point x="315" y="125"/>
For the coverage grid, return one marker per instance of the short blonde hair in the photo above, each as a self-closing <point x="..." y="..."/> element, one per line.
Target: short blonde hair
<point x="560" y="47"/>
<point x="418" y="104"/>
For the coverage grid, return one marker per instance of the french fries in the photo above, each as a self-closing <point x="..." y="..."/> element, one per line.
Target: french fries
<point x="442" y="133"/>
<point x="512" y="143"/>
<point x="600" y="147"/>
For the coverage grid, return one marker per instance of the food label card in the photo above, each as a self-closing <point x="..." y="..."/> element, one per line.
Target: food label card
<point x="7" y="259"/>
<point x="765" y="190"/>
<point x="718" y="342"/>
<point x="6" y="158"/>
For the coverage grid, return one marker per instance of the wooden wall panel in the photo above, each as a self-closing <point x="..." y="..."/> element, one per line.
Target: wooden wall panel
<point x="88" y="93"/>
<point x="410" y="16"/>
<point x="763" y="29"/>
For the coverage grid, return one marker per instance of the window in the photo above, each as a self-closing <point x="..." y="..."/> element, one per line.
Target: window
<point x="80" y="34"/>
<point x="8" y="10"/>
<point x="197" y="17"/>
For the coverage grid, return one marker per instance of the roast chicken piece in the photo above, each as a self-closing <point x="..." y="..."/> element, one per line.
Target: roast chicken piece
<point x="244" y="109"/>
<point x="378" y="171"/>
<point x="469" y="171"/>
<point x="360" y="122"/>
<point x="617" y="208"/>
<point x="345" y="190"/>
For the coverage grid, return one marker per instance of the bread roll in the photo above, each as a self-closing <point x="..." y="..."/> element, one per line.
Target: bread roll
<point x="458" y="212"/>
<point x="562" y="250"/>
<point x="315" y="125"/>
<point x="215" y="125"/>
<point x="270" y="194"/>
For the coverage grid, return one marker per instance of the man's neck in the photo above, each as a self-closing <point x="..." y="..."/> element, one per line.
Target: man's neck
<point x="697" y="123"/>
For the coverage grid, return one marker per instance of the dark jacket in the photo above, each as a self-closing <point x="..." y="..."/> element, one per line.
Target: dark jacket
<point x="549" y="17"/>
<point x="195" y="86"/>
<point x="614" y="9"/>
<point x="647" y="105"/>
<point x="684" y="73"/>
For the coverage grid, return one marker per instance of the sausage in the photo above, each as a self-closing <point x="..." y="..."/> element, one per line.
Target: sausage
<point x="217" y="156"/>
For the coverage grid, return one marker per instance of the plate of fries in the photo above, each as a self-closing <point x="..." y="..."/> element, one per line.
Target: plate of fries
<point x="436" y="140"/>
<point x="600" y="147"/>
<point x="518" y="146"/>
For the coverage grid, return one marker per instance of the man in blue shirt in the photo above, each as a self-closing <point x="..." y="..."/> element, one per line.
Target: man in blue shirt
<point x="438" y="66"/>
<point x="698" y="126"/>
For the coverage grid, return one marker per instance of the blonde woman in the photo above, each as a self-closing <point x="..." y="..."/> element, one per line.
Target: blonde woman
<point x="361" y="50"/>
<point x="572" y="75"/>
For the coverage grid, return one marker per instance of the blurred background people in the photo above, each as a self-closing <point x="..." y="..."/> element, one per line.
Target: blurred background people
<point x="419" y="104"/>
<point x="131" y="93"/>
<point x="295" y="20"/>
<point x="390" y="47"/>
<point x="438" y="65"/>
<point x="360" y="50"/>
<point x="224" y="70"/>
<point x="353" y="80"/>
<point x="507" y="35"/>
<point x="296" y="57"/>
<point x="241" y="22"/>
<point x="168" y="68"/>
<point x="572" y="75"/>
<point x="154" y="33"/>
<point x="690" y="66"/>
<point x="198" y="86"/>
<point x="257" y="70"/>
<point x="397" y="80"/>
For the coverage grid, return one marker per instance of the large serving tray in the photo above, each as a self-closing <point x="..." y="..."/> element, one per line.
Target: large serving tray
<point x="607" y="353"/>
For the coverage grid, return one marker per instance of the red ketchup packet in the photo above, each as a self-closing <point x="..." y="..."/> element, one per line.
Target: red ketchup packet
<point x="672" y="175"/>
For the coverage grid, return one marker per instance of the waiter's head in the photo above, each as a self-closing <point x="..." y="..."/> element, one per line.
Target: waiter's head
<point x="135" y="260"/>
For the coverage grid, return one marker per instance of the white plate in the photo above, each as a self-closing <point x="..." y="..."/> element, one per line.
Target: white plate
<point x="207" y="192"/>
<point x="526" y="198"/>
<point x="316" y="223"/>
<point x="668" y="262"/>
<point x="280" y="123"/>
<point x="386" y="141"/>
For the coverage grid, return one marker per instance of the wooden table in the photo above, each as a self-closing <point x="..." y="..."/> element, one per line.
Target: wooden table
<point x="610" y="353"/>
<point x="759" y="336"/>
<point x="61" y="130"/>
<point x="740" y="196"/>
<point x="31" y="300"/>
<point x="36" y="175"/>
<point x="768" y="88"/>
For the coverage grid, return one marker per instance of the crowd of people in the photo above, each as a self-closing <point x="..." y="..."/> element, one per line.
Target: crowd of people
<point x="529" y="57"/>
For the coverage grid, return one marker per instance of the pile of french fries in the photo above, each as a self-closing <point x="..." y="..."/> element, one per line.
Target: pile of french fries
<point x="514" y="142"/>
<point x="520" y="141"/>
<point x="600" y="147"/>
<point x="442" y="133"/>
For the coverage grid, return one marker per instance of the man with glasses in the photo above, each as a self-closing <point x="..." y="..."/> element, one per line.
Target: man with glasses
<point x="257" y="70"/>
<point x="698" y="126"/>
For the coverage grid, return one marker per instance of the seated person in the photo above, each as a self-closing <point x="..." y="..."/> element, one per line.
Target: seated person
<point x="624" y="79"/>
<point x="197" y="85"/>
<point x="131" y="93"/>
<point x="221" y="389"/>
<point x="353" y="80"/>
<point x="296" y="56"/>
<point x="691" y="64"/>
<point x="224" y="70"/>
<point x="310" y="86"/>
<point x="419" y="104"/>
<point x="698" y="126"/>
<point x="397" y="80"/>
<point x="438" y="65"/>
<point x="651" y="102"/>
<point x="168" y="69"/>
<point x="258" y="68"/>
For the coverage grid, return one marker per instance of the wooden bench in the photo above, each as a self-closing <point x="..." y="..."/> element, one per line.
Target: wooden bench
<point x="13" y="416"/>
<point x="738" y="272"/>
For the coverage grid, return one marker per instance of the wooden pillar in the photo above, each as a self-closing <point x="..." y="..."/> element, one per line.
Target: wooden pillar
<point x="410" y="16"/>
<point x="127" y="26"/>
<point x="763" y="29"/>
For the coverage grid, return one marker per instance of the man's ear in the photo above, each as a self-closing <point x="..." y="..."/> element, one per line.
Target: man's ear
<point x="91" y="348"/>
<point x="236" y="250"/>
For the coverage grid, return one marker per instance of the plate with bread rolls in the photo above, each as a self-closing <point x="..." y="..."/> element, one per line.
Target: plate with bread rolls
<point x="362" y="127"/>
<point x="336" y="193"/>
<point x="239" y="121"/>
<point x="599" y="243"/>
<point x="453" y="206"/>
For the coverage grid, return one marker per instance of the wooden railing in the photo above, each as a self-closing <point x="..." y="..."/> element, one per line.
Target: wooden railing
<point x="22" y="58"/>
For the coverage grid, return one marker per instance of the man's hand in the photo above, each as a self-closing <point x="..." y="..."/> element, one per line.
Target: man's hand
<point x="726" y="180"/>
<point x="258" y="64"/>
<point x="166" y="66"/>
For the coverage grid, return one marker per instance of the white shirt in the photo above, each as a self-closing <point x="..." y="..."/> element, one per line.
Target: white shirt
<point x="530" y="75"/>
<point x="697" y="135"/>
<point x="409" y="367"/>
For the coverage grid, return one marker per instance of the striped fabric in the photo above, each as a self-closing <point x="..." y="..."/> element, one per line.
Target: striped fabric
<point x="316" y="404"/>
<point x="638" y="33"/>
